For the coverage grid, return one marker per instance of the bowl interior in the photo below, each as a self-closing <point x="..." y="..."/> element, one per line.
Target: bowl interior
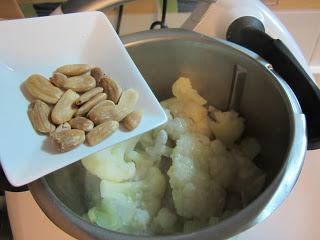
<point x="210" y="65"/>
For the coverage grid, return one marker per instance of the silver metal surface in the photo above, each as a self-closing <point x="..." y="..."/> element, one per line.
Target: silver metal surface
<point x="272" y="113"/>
<point x="236" y="90"/>
<point x="90" y="5"/>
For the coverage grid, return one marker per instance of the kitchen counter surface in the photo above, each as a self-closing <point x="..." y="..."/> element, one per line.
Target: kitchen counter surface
<point x="298" y="217"/>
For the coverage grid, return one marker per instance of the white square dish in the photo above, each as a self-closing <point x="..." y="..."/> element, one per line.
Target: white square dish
<point x="40" y="45"/>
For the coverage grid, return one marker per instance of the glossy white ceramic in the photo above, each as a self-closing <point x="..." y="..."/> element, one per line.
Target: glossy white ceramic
<point x="40" y="45"/>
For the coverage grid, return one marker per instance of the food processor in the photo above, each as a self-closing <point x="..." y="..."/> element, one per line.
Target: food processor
<point x="253" y="26"/>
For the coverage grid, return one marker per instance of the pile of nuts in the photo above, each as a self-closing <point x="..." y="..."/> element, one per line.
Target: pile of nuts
<point x="70" y="118"/>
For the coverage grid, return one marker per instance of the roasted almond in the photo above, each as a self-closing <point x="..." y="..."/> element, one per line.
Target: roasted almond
<point x="91" y="103"/>
<point x="68" y="140"/>
<point x="81" y="123"/>
<point x="65" y="108"/>
<point x="97" y="74"/>
<point x="80" y="83"/>
<point x="88" y="95"/>
<point x="41" y="88"/>
<point x="58" y="79"/>
<point x="132" y="120"/>
<point x="62" y="127"/>
<point x="102" y="103"/>
<point x="127" y="102"/>
<point x="62" y="91"/>
<point x="112" y="88"/>
<point x="105" y="113"/>
<point x="74" y="69"/>
<point x="101" y="132"/>
<point x="118" y="112"/>
<point x="129" y="99"/>
<point x="39" y="113"/>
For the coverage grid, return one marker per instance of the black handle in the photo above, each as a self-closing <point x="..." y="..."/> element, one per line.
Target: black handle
<point x="6" y="186"/>
<point x="249" y="32"/>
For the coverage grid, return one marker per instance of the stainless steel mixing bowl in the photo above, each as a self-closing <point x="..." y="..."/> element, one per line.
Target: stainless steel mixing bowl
<point x="226" y="75"/>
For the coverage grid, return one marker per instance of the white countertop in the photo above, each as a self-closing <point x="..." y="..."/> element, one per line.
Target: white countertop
<point x="298" y="217"/>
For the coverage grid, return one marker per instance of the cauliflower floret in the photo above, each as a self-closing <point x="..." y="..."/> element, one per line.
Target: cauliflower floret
<point x="151" y="149"/>
<point x="146" y="140"/>
<point x="250" y="179"/>
<point x="185" y="109"/>
<point x="164" y="222"/>
<point x="194" y="147"/>
<point x="117" y="212"/>
<point x="129" y="206"/>
<point x="196" y="114"/>
<point x="130" y="190"/>
<point x="227" y="126"/>
<point x="110" y="163"/>
<point x="154" y="143"/>
<point x="142" y="161"/>
<point x="138" y="198"/>
<point x="222" y="164"/>
<point x="147" y="193"/>
<point x="203" y="127"/>
<point x="183" y="90"/>
<point x="159" y="147"/>
<point x="153" y="190"/>
<point x="245" y="165"/>
<point x="250" y="147"/>
<point x="192" y="189"/>
<point x="167" y="112"/>
<point x="178" y="126"/>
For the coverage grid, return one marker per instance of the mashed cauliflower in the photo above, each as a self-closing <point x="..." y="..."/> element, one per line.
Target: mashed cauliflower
<point x="190" y="173"/>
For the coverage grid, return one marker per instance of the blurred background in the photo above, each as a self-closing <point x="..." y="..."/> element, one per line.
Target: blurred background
<point x="139" y="15"/>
